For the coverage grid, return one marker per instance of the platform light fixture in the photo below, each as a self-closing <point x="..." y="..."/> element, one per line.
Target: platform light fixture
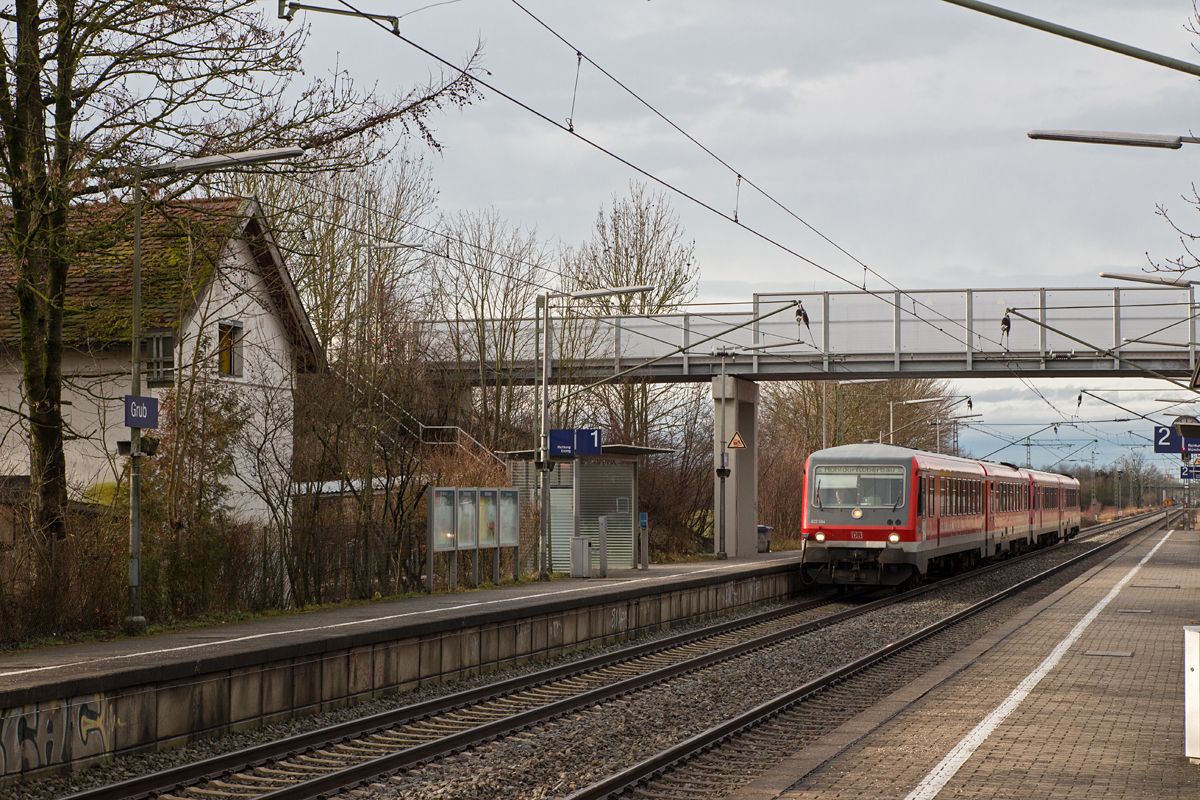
<point x="1158" y="140"/>
<point x="1146" y="277"/>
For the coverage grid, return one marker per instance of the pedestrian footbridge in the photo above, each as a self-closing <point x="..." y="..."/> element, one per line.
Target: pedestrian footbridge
<point x="955" y="333"/>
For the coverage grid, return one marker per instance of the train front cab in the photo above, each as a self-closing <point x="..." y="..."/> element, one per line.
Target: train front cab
<point x="860" y="512"/>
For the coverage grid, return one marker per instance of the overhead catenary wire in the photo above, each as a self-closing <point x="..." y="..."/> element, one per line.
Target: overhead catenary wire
<point x="692" y="198"/>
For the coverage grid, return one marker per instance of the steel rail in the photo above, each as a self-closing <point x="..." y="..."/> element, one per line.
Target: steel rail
<point x="191" y="774"/>
<point x="627" y="779"/>
<point x="222" y="766"/>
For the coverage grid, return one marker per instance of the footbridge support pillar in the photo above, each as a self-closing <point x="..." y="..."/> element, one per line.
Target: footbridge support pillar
<point x="735" y="410"/>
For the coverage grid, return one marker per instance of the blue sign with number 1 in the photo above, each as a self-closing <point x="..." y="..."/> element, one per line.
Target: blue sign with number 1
<point x="588" y="442"/>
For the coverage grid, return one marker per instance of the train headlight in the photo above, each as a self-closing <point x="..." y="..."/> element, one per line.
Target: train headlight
<point x="820" y="537"/>
<point x="856" y="513"/>
<point x="894" y="538"/>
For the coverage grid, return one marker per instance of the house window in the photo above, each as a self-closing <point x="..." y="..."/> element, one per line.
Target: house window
<point x="229" y="348"/>
<point x="158" y="355"/>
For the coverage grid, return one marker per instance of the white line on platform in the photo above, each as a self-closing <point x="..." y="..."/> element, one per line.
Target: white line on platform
<point x="235" y="640"/>
<point x="937" y="779"/>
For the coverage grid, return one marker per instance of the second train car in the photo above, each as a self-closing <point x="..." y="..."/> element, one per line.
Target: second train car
<point x="875" y="514"/>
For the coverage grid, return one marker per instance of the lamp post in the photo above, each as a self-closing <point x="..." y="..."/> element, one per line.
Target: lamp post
<point x="135" y="623"/>
<point x="542" y="461"/>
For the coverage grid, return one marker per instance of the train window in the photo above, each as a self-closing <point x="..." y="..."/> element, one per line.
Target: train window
<point x="920" y="497"/>
<point x="931" y="498"/>
<point x="864" y="486"/>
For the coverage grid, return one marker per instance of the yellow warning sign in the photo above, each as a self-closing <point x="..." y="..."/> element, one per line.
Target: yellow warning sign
<point x="736" y="441"/>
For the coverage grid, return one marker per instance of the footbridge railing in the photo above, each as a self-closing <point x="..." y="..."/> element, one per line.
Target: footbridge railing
<point x="1067" y="332"/>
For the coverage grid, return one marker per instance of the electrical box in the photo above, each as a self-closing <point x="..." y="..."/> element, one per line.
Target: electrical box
<point x="581" y="556"/>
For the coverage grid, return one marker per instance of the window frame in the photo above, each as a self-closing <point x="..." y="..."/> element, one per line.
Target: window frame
<point x="230" y="335"/>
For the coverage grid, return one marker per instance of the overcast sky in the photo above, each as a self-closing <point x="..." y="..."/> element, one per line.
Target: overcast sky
<point x="895" y="127"/>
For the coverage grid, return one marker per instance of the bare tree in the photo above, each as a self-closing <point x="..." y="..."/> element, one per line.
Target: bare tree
<point x="349" y="236"/>
<point x="485" y="282"/>
<point x="637" y="241"/>
<point x="89" y="89"/>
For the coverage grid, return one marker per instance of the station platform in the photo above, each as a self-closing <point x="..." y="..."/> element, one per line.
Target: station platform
<point x="63" y="708"/>
<point x="1080" y="695"/>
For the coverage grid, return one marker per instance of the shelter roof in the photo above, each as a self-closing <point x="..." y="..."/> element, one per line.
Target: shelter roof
<point x="624" y="450"/>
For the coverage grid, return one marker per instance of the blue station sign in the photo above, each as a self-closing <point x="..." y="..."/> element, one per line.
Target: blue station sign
<point x="571" y="442"/>
<point x="588" y="442"/>
<point x="562" y="443"/>
<point x="141" y="412"/>
<point x="1166" y="440"/>
<point x="1189" y="472"/>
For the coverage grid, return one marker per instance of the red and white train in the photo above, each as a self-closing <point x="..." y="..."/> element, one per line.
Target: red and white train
<point x="875" y="514"/>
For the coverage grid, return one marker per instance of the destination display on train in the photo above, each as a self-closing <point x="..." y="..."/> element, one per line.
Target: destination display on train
<point x="862" y="470"/>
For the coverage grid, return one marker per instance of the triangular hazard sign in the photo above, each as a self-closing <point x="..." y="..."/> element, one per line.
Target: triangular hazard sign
<point x="736" y="441"/>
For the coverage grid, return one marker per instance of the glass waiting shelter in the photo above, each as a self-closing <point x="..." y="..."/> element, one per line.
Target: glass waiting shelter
<point x="584" y="488"/>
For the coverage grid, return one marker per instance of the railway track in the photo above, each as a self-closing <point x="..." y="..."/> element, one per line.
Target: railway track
<point x="324" y="762"/>
<point x="734" y="752"/>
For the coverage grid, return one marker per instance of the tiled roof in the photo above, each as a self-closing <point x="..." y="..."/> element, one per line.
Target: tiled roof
<point x="181" y="243"/>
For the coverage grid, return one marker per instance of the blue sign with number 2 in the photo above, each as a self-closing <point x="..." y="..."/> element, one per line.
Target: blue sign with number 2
<point x="1167" y="440"/>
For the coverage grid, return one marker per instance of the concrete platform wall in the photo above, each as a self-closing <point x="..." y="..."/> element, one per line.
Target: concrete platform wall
<point x="48" y="735"/>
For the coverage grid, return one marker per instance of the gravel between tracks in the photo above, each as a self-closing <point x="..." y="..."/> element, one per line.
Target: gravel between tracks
<point x="556" y="758"/>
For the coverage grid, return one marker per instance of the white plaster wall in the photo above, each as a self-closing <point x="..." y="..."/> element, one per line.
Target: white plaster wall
<point x="93" y="413"/>
<point x="263" y="461"/>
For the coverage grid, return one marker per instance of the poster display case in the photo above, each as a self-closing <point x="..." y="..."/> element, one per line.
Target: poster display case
<point x="466" y="520"/>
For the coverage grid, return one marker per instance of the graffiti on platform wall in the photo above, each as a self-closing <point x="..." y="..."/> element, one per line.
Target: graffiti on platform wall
<point x="54" y="732"/>
<point x="33" y="736"/>
<point x="91" y="727"/>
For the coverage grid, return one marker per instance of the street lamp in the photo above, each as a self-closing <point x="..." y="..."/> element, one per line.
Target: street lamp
<point x="135" y="623"/>
<point x="723" y="467"/>
<point x="1115" y="137"/>
<point x="1158" y="280"/>
<point x="543" y="455"/>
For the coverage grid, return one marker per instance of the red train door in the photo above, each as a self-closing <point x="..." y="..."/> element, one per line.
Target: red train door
<point x="989" y="509"/>
<point x="938" y="500"/>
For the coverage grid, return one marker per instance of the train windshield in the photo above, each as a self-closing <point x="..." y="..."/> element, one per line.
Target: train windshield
<point x="865" y="486"/>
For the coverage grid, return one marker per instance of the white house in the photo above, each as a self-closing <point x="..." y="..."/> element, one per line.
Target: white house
<point x="221" y="319"/>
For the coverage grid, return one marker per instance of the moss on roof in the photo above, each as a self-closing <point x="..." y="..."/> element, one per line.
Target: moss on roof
<point x="182" y="241"/>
